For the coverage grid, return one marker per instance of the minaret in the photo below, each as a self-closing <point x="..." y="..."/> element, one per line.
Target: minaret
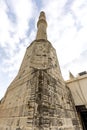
<point x="42" y="26"/>
<point x="38" y="99"/>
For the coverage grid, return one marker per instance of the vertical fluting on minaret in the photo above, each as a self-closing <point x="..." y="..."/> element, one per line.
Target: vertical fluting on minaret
<point x="41" y="25"/>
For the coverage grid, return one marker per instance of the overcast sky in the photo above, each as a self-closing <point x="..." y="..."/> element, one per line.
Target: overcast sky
<point x="67" y="31"/>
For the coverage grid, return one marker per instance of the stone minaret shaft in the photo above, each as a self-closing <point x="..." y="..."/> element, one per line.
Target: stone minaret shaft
<point x="41" y="25"/>
<point x="38" y="98"/>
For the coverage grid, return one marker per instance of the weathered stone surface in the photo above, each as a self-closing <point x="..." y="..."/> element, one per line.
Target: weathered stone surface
<point x="38" y="99"/>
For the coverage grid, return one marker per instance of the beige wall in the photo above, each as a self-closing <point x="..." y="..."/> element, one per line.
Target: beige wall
<point x="78" y="87"/>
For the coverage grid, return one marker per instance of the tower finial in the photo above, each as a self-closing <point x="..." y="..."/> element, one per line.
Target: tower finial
<point x="71" y="76"/>
<point x="41" y="25"/>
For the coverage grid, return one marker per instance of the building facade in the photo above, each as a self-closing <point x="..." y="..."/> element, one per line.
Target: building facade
<point x="38" y="99"/>
<point x="78" y="88"/>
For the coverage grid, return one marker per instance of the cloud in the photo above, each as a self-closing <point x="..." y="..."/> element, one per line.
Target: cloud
<point x="14" y="23"/>
<point x="67" y="31"/>
<point x="15" y="20"/>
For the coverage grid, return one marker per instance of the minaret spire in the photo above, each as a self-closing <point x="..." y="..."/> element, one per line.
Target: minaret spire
<point x="41" y="25"/>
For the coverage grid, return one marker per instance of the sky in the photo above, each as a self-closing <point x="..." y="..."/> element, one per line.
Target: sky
<point x="67" y="31"/>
